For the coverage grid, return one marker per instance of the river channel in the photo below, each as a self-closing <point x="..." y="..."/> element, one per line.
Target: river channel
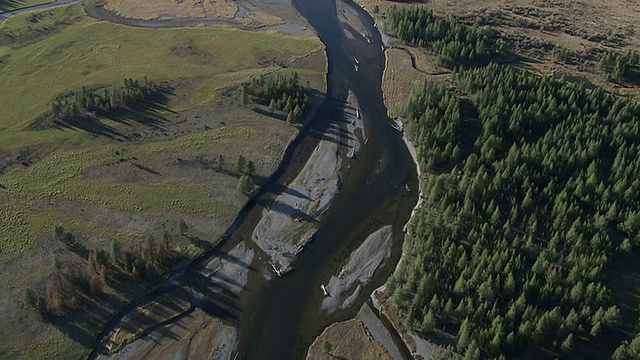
<point x="280" y="318"/>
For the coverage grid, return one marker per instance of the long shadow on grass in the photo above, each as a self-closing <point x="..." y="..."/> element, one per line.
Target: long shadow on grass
<point x="10" y="5"/>
<point x="148" y="112"/>
<point x="144" y="111"/>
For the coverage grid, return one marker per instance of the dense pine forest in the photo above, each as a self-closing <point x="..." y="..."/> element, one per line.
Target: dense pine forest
<point x="453" y="42"/>
<point x="531" y="189"/>
<point x="621" y="67"/>
<point x="280" y="93"/>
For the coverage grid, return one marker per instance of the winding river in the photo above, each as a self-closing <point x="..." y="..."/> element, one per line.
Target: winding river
<point x="280" y="318"/>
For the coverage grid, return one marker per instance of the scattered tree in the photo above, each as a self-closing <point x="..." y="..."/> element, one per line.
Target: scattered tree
<point x="327" y="347"/>
<point x="245" y="184"/>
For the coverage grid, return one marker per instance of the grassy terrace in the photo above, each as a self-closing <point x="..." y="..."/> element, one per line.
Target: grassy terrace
<point x="134" y="174"/>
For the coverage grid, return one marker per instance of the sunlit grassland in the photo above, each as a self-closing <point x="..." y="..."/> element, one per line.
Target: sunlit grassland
<point x="102" y="188"/>
<point x="53" y="58"/>
<point x="92" y="53"/>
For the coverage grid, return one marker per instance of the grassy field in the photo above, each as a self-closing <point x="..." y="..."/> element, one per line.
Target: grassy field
<point x="141" y="9"/>
<point x="348" y="340"/>
<point x="126" y="177"/>
<point x="223" y="9"/>
<point x="6" y="5"/>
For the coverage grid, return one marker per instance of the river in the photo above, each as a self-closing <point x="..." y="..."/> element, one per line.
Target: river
<point x="280" y="318"/>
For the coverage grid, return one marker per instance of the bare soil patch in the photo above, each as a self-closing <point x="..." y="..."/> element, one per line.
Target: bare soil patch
<point x="194" y="336"/>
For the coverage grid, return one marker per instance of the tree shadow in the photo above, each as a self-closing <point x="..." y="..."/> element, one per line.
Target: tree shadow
<point x="147" y="112"/>
<point x="88" y="124"/>
<point x="322" y="135"/>
<point x="6" y="5"/>
<point x="286" y="209"/>
<point x="146" y="169"/>
<point x="280" y="188"/>
<point x="276" y="115"/>
<point x="144" y="111"/>
<point x="214" y="298"/>
<point x="230" y="258"/>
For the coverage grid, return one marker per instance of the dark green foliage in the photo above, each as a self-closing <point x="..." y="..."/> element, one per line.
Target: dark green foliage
<point x="100" y="101"/>
<point x="453" y="42"/>
<point x="281" y="93"/>
<point x="621" y="67"/>
<point x="31" y="299"/>
<point x="530" y="181"/>
<point x="564" y="55"/>
<point x="326" y="347"/>
<point x="628" y="350"/>
<point x="241" y="163"/>
<point x="245" y="184"/>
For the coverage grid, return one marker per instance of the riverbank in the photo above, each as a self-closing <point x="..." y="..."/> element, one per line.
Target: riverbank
<point x="349" y="340"/>
<point x="193" y="337"/>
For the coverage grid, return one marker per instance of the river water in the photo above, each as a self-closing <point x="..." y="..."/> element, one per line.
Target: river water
<point x="280" y="318"/>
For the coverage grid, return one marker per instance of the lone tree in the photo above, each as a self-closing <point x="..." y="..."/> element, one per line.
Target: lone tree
<point x="245" y="184"/>
<point x="31" y="299"/>
<point x="220" y="161"/>
<point x="326" y="347"/>
<point x="241" y="163"/>
<point x="245" y="95"/>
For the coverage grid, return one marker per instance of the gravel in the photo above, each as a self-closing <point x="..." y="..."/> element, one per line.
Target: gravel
<point x="360" y="267"/>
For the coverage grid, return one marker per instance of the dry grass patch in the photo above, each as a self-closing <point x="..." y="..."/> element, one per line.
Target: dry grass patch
<point x="263" y="18"/>
<point x="348" y="340"/>
<point x="398" y="79"/>
<point x="148" y="10"/>
<point x="142" y="9"/>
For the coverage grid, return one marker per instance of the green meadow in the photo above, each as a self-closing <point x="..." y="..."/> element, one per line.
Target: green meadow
<point x="147" y="176"/>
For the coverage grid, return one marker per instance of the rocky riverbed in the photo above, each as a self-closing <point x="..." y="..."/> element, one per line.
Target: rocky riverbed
<point x="292" y="218"/>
